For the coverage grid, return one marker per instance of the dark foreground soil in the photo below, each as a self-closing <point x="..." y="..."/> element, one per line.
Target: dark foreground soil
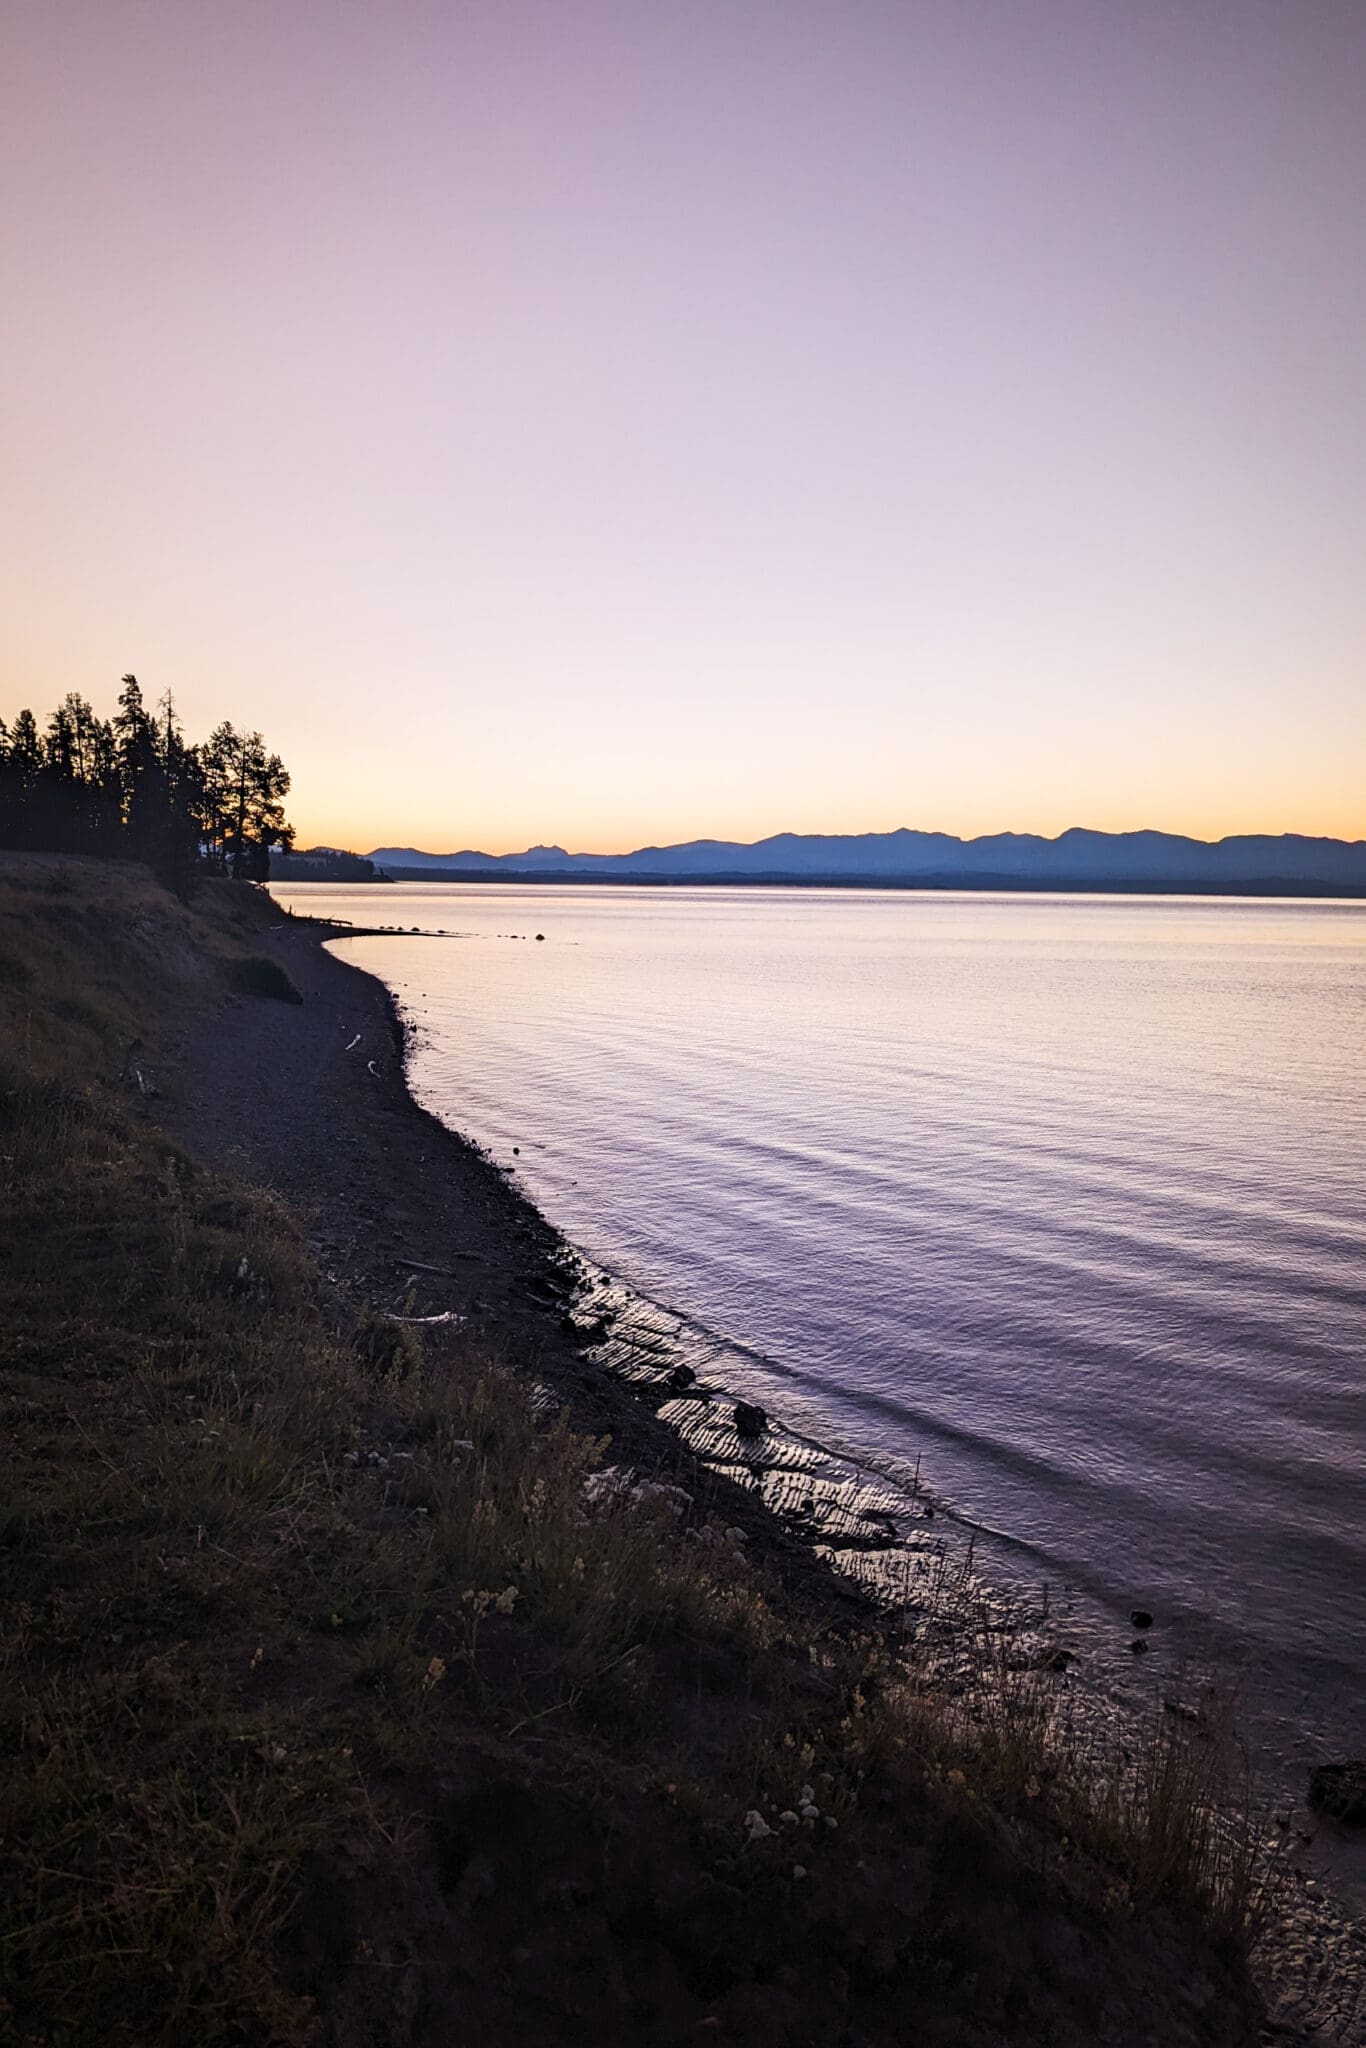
<point x="549" y="1893"/>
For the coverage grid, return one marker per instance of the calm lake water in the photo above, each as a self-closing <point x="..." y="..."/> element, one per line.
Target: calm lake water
<point x="1065" y="1197"/>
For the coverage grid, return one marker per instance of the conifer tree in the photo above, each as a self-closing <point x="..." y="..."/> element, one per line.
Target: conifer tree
<point x="182" y="786"/>
<point x="20" y="779"/>
<point x="139" y="771"/>
<point x="245" y="790"/>
<point x="134" y="788"/>
<point x="25" y="747"/>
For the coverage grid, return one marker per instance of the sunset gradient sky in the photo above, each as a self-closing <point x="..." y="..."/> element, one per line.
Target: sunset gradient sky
<point x="614" y="421"/>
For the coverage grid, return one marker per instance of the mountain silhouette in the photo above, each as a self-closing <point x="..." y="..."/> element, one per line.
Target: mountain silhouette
<point x="1075" y="859"/>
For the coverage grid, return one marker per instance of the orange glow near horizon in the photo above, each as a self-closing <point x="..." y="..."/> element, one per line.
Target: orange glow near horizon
<point x="491" y="779"/>
<point x="575" y="426"/>
<point x="321" y="827"/>
<point x="652" y="781"/>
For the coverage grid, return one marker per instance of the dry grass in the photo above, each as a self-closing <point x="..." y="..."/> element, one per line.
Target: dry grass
<point x="219" y="1589"/>
<point x="170" y="1402"/>
<point x="257" y="1552"/>
<point x="509" y="1489"/>
<point x="222" y="1607"/>
<point x="1125" y="1818"/>
<point x="93" y="955"/>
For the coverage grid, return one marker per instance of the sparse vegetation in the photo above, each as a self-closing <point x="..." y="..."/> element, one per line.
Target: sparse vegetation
<point x="273" y="1568"/>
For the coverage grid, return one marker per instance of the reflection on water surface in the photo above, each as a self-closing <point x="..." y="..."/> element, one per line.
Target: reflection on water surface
<point x="1064" y="1195"/>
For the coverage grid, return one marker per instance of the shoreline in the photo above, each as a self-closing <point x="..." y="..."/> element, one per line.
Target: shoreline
<point x="890" y="1484"/>
<point x="313" y="1102"/>
<point x="613" y="1349"/>
<point x="220" y="1206"/>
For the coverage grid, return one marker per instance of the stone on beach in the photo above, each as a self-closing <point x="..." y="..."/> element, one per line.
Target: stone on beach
<point x="1339" y="1790"/>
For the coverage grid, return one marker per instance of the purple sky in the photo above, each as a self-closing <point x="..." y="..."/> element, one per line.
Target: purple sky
<point x="614" y="422"/>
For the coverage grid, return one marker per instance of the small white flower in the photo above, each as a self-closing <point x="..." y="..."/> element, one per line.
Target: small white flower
<point x="799" y="1870"/>
<point x="672" y="1498"/>
<point x="756" y="1827"/>
<point x="788" y="1819"/>
<point x="601" y="1488"/>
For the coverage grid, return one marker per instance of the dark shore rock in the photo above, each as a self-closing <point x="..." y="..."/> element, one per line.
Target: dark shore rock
<point x="547" y="1288"/>
<point x="1339" y="1792"/>
<point x="750" y="1419"/>
<point x="259" y="976"/>
<point x="1140" y="1618"/>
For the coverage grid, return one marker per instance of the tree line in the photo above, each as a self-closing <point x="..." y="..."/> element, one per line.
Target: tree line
<point x="131" y="788"/>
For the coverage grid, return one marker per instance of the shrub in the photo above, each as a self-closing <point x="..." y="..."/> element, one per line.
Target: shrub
<point x="257" y="976"/>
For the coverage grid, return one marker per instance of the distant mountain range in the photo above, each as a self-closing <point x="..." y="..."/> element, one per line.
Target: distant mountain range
<point x="1076" y="859"/>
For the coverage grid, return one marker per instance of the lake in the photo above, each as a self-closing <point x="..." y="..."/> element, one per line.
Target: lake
<point x="1062" y="1197"/>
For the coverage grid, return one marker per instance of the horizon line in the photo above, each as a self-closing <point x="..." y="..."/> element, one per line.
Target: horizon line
<point x="892" y="832"/>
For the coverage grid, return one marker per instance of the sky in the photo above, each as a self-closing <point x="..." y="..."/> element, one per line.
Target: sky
<point x="610" y="422"/>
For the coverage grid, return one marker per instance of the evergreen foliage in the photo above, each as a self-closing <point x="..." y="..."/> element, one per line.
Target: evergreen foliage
<point x="132" y="788"/>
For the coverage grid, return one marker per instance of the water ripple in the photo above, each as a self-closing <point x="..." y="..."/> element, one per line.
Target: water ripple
<point x="1064" y="1196"/>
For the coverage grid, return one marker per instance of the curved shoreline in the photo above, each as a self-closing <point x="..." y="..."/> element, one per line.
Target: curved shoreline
<point x="313" y="1101"/>
<point x="851" y="1511"/>
<point x="244" y="1387"/>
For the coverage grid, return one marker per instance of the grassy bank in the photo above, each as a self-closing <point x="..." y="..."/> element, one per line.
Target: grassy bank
<point x="351" y="1692"/>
